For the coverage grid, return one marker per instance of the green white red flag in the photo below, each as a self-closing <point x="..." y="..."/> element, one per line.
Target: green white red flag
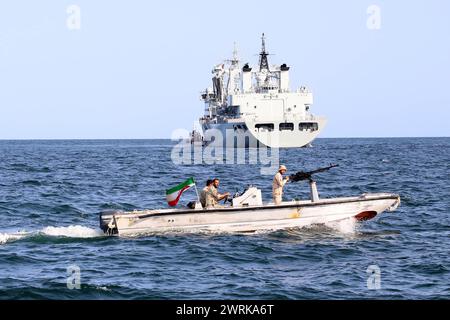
<point x="174" y="194"/>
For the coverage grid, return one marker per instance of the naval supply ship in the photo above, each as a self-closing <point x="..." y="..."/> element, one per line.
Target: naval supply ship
<point x="254" y="107"/>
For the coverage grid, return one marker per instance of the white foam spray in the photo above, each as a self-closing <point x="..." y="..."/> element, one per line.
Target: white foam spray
<point x="8" y="237"/>
<point x="69" y="232"/>
<point x="346" y="226"/>
<point x="72" y="232"/>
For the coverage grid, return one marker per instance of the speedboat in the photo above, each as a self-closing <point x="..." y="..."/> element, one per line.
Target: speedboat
<point x="248" y="213"/>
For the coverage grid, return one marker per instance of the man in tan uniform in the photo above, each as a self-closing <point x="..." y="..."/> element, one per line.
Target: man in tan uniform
<point x="278" y="184"/>
<point x="204" y="192"/>
<point x="213" y="196"/>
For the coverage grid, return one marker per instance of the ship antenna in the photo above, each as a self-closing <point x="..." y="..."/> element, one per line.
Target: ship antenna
<point x="235" y="52"/>
<point x="235" y="60"/>
<point x="263" y="63"/>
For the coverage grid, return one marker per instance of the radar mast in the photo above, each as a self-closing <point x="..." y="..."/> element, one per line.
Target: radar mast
<point x="263" y="63"/>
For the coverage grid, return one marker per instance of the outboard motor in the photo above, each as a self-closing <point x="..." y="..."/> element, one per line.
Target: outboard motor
<point x="107" y="221"/>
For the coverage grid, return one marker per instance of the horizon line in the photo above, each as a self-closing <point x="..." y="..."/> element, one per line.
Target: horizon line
<point x="61" y="139"/>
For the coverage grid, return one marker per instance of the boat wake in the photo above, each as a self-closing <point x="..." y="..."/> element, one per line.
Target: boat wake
<point x="73" y="231"/>
<point x="8" y="237"/>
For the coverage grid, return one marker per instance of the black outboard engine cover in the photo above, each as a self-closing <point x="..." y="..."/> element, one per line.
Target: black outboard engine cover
<point x="105" y="218"/>
<point x="191" y="205"/>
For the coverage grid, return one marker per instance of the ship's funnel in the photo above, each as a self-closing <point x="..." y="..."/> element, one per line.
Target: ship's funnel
<point x="246" y="78"/>
<point x="284" y="78"/>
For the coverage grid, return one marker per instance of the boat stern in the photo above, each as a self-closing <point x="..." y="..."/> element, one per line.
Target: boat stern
<point x="107" y="221"/>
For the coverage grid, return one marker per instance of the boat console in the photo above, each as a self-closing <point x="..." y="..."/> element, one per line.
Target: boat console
<point x="250" y="197"/>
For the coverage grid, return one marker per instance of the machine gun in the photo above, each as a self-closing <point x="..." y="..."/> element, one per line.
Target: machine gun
<point x="307" y="175"/>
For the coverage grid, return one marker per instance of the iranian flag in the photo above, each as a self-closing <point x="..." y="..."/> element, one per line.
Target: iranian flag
<point x="174" y="194"/>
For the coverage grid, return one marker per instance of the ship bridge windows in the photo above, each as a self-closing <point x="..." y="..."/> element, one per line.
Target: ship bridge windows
<point x="308" y="126"/>
<point x="265" y="126"/>
<point x="286" y="126"/>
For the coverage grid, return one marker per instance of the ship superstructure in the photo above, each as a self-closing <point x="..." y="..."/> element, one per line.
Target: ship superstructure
<point x="250" y="107"/>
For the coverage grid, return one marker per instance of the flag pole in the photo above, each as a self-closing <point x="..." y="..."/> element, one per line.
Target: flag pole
<point x="196" y="191"/>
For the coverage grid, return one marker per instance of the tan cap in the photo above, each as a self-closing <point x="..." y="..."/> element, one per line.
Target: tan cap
<point x="282" y="168"/>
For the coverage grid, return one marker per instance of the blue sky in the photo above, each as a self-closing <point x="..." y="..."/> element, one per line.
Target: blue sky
<point x="135" y="68"/>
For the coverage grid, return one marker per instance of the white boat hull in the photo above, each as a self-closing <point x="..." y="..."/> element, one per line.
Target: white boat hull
<point x="248" y="219"/>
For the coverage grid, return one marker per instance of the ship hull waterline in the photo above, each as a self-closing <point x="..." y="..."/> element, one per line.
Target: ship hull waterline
<point x="291" y="214"/>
